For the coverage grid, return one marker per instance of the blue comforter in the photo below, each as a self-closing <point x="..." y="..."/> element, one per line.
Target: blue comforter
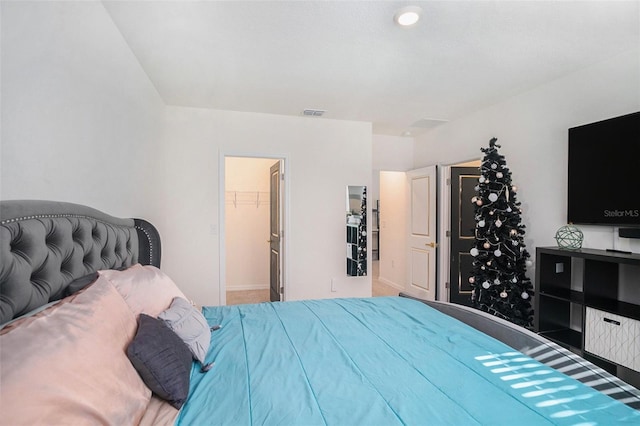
<point x="377" y="361"/>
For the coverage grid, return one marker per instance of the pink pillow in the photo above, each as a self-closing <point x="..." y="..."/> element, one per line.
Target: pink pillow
<point x="146" y="289"/>
<point x="68" y="365"/>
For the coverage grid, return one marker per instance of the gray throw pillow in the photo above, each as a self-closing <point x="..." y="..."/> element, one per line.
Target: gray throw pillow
<point x="162" y="360"/>
<point x="188" y="323"/>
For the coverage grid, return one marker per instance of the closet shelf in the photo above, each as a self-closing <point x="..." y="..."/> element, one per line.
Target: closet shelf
<point x="257" y="198"/>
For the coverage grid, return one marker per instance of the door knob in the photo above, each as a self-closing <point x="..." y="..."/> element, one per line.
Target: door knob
<point x="432" y="244"/>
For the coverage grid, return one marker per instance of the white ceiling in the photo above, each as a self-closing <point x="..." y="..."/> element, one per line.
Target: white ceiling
<point x="351" y="59"/>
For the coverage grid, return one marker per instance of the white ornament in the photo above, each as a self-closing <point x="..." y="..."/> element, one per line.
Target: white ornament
<point x="479" y="202"/>
<point x="499" y="175"/>
<point x="474" y="199"/>
<point x="472" y="280"/>
<point x="514" y="242"/>
<point x="503" y="294"/>
<point x="496" y="281"/>
<point x="486" y="284"/>
<point x="497" y="253"/>
<point x="509" y="209"/>
<point x="486" y="245"/>
<point x="481" y="224"/>
<point x="524" y="295"/>
<point x="514" y="188"/>
<point x="528" y="263"/>
<point x="481" y="179"/>
<point x="498" y="223"/>
<point x="514" y="280"/>
<point x="474" y="252"/>
<point x="477" y="187"/>
<point x="493" y="197"/>
<point x="494" y="166"/>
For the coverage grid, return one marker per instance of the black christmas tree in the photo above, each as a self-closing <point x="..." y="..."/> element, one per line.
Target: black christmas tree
<point x="362" y="236"/>
<point x="500" y="260"/>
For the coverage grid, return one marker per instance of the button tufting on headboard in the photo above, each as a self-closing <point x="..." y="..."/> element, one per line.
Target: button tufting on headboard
<point x="45" y="245"/>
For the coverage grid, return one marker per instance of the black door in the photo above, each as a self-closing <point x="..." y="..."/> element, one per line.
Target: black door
<point x="463" y="183"/>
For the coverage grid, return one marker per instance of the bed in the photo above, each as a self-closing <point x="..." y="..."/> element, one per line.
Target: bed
<point x="79" y="289"/>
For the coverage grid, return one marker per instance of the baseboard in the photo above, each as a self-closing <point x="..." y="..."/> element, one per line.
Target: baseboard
<point x="248" y="287"/>
<point x="390" y="283"/>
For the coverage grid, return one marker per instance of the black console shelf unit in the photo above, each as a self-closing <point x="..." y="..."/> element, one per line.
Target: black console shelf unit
<point x="569" y="283"/>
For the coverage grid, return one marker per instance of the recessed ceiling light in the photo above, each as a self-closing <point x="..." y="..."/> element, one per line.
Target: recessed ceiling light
<point x="407" y="16"/>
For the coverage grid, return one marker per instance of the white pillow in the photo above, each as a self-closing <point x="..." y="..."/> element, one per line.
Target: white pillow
<point x="146" y="289"/>
<point x="188" y="323"/>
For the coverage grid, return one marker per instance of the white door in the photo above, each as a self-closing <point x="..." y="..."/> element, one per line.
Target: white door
<point x="421" y="258"/>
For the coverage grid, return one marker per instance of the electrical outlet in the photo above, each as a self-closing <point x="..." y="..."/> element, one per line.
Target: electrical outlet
<point x="559" y="268"/>
<point x="333" y="286"/>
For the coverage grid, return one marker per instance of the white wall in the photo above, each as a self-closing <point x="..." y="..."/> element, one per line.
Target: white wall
<point x="247" y="230"/>
<point x="322" y="157"/>
<point x="532" y="129"/>
<point x="390" y="153"/>
<point x="80" y="119"/>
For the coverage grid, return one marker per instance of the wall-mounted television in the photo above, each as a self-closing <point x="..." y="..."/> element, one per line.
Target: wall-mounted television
<point x="604" y="172"/>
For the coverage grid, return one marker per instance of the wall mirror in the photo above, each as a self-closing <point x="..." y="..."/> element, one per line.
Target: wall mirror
<point x="356" y="231"/>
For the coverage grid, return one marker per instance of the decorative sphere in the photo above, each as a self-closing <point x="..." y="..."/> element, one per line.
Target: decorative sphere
<point x="474" y="252"/>
<point x="491" y="212"/>
<point x="514" y="280"/>
<point x="497" y="253"/>
<point x="496" y="281"/>
<point x="503" y="294"/>
<point x="524" y="295"/>
<point x="486" y="245"/>
<point x="514" y="188"/>
<point x="528" y="263"/>
<point x="481" y="179"/>
<point x="499" y="175"/>
<point x="474" y="199"/>
<point x="509" y="209"/>
<point x="472" y="280"/>
<point x="513" y="232"/>
<point x="569" y="237"/>
<point x="494" y="166"/>
<point x="479" y="202"/>
<point x="486" y="284"/>
<point x="481" y="224"/>
<point x="493" y="197"/>
<point x="489" y="263"/>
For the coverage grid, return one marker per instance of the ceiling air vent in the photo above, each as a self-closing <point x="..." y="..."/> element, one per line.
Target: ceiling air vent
<point x="313" y="112"/>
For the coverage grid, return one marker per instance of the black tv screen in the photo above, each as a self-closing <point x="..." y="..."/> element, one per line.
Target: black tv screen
<point x="604" y="172"/>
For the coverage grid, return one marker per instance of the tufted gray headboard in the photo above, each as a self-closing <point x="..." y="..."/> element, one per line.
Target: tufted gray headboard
<point x="46" y="245"/>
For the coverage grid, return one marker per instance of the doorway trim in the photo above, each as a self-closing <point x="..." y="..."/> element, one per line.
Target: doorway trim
<point x="221" y="219"/>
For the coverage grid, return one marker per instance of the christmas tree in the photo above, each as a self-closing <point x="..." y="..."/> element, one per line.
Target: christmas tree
<point x="500" y="285"/>
<point x="362" y="235"/>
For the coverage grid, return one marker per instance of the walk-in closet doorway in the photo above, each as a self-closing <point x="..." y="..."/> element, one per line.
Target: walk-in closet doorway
<point x="252" y="248"/>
